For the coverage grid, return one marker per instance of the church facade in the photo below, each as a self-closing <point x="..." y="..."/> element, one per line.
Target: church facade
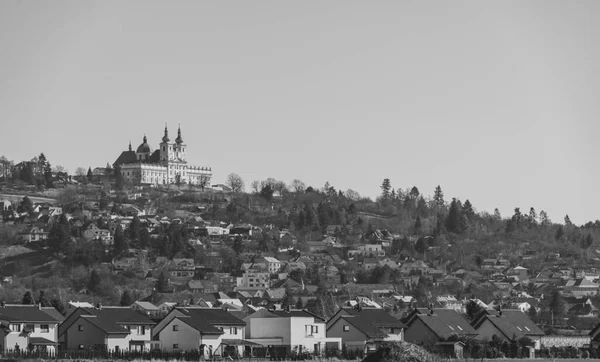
<point x="165" y="165"/>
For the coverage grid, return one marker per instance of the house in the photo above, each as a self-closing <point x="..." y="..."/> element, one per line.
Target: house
<point x="146" y="308"/>
<point x="253" y="280"/>
<point x="196" y="286"/>
<point x="33" y="234"/>
<point x="25" y="325"/>
<point x="595" y="336"/>
<point x="182" y="269"/>
<point x="370" y="263"/>
<point x="507" y="325"/>
<point x="95" y="233"/>
<point x="449" y="302"/>
<point x="581" y="287"/>
<point x="288" y="329"/>
<point x="519" y="273"/>
<point x="273" y="265"/>
<point x="212" y="331"/>
<point x="316" y="246"/>
<point x="416" y="267"/>
<point x="107" y="328"/>
<point x="429" y="327"/>
<point x="371" y="250"/>
<point x="360" y="328"/>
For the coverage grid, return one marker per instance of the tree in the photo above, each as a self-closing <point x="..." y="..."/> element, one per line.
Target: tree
<point x="532" y="217"/>
<point x="559" y="232"/>
<point x="43" y="299"/>
<point x="162" y="283"/>
<point x="119" y="181"/>
<point x="58" y="305"/>
<point x="421" y="246"/>
<point x="386" y="186"/>
<point x="497" y="215"/>
<point x="417" y="226"/>
<point x="414" y="193"/>
<point x="568" y="221"/>
<point x="297" y="186"/>
<point x="80" y="172"/>
<point x="532" y="312"/>
<point x="119" y="244"/>
<point x="473" y="309"/>
<point x="27" y="298"/>
<point x="26" y="205"/>
<point x="589" y="240"/>
<point x="438" y="198"/>
<point x="90" y="175"/>
<point x="544" y="219"/>
<point x="255" y="186"/>
<point x="467" y="209"/>
<point x="94" y="281"/>
<point x="453" y="220"/>
<point x="127" y="298"/>
<point x="267" y="192"/>
<point x="238" y="245"/>
<point x="296" y="275"/>
<point x="556" y="304"/>
<point x="235" y="182"/>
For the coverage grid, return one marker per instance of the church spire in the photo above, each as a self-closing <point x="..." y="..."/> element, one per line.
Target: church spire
<point x="129" y="145"/>
<point x="145" y="139"/>
<point x="179" y="139"/>
<point x="166" y="136"/>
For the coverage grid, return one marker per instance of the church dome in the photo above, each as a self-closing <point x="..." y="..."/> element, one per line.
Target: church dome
<point x="144" y="147"/>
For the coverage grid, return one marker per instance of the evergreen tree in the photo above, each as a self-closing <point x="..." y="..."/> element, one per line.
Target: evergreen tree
<point x="497" y="215"/>
<point x="25" y="206"/>
<point x="417" y="227"/>
<point x="453" y="220"/>
<point x="126" y="298"/>
<point x="288" y="299"/>
<point x="27" y="298"/>
<point x="94" y="281"/>
<point x="119" y="182"/>
<point x="119" y="244"/>
<point x="568" y="221"/>
<point x="238" y="245"/>
<point x="90" y="175"/>
<point x="134" y="230"/>
<point x="43" y="299"/>
<point x="559" y="232"/>
<point x="58" y="305"/>
<point x="438" y="198"/>
<point x="162" y="283"/>
<point x="532" y="217"/>
<point x="467" y="210"/>
<point x="544" y="220"/>
<point x="386" y="187"/>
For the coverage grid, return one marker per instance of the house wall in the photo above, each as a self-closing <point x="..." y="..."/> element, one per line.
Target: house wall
<point x="418" y="333"/>
<point x="186" y="337"/>
<point x="117" y="340"/>
<point x="300" y="337"/>
<point x="352" y="339"/>
<point x="269" y="328"/>
<point x="89" y="337"/>
<point x="487" y="330"/>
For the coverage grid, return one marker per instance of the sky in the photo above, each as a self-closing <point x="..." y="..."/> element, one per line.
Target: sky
<point x="496" y="101"/>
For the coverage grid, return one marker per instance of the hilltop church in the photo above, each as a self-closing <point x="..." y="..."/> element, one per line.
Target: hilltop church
<point x="166" y="165"/>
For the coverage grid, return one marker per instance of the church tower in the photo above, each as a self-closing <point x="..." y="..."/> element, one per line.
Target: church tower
<point x="166" y="150"/>
<point x="180" y="147"/>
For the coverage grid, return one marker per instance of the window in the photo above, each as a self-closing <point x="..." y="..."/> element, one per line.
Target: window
<point x="346" y="328"/>
<point x="311" y="330"/>
<point x="141" y="330"/>
<point x="175" y="328"/>
<point x="15" y="327"/>
<point x="30" y="327"/>
<point x="80" y="328"/>
<point x="233" y="330"/>
<point x="45" y="328"/>
<point x="175" y="346"/>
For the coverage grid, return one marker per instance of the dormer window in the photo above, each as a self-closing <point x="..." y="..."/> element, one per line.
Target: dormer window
<point x="15" y="327"/>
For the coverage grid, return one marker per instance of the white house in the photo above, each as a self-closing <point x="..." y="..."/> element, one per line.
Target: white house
<point x="22" y="325"/>
<point x="289" y="329"/>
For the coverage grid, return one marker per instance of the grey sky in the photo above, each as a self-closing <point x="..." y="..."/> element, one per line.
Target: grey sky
<point x="496" y="101"/>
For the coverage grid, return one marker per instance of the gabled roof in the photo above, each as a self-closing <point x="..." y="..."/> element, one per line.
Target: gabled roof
<point x="511" y="323"/>
<point x="443" y="322"/>
<point x="146" y="305"/>
<point x="108" y="319"/>
<point x="370" y="321"/>
<point x="205" y="320"/>
<point x="26" y="314"/>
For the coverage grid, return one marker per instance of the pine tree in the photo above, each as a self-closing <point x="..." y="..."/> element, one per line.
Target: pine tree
<point x="568" y="221"/>
<point x="58" y="305"/>
<point x="453" y="220"/>
<point x="417" y="227"/>
<point x="386" y="187"/>
<point x="90" y="175"/>
<point x="119" y="244"/>
<point x="162" y="283"/>
<point x="27" y="298"/>
<point x="126" y="298"/>
<point x="559" y="232"/>
<point x="43" y="300"/>
<point x="438" y="198"/>
<point x="467" y="209"/>
<point x="94" y="282"/>
<point x="497" y="215"/>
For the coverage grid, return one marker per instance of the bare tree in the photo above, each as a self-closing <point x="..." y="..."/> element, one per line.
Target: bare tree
<point x="235" y="182"/>
<point x="297" y="186"/>
<point x="59" y="168"/>
<point x="352" y="195"/>
<point x="80" y="172"/>
<point x="255" y="185"/>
